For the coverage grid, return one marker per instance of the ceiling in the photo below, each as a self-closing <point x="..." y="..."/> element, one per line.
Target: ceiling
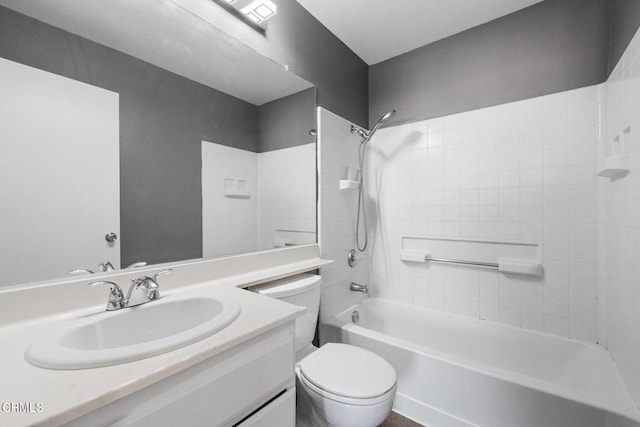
<point x="172" y="36"/>
<point x="377" y="30"/>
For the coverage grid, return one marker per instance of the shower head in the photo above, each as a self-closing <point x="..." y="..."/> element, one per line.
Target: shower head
<point x="382" y="119"/>
<point x="366" y="136"/>
<point x="387" y="115"/>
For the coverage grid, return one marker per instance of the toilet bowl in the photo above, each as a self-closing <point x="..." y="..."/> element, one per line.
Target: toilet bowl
<point x="346" y="386"/>
<point x="338" y="385"/>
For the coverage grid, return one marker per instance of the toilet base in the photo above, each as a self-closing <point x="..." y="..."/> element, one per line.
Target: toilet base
<point x="314" y="410"/>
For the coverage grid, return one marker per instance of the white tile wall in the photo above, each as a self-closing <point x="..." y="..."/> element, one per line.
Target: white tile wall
<point x="521" y="171"/>
<point x="337" y="150"/>
<point x="619" y="223"/>
<point x="287" y="193"/>
<point x="240" y="230"/>
<point x="282" y="184"/>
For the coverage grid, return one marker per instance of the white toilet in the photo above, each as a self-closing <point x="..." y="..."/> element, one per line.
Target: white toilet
<point x="338" y="384"/>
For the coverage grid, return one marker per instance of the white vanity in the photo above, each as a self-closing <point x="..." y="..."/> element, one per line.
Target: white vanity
<point x="251" y="384"/>
<point x="240" y="375"/>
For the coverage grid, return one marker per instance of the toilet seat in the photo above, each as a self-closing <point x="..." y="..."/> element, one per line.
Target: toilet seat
<point x="348" y="374"/>
<point x="311" y="388"/>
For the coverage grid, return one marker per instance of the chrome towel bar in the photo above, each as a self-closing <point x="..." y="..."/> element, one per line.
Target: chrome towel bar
<point x="526" y="267"/>
<point x="461" y="262"/>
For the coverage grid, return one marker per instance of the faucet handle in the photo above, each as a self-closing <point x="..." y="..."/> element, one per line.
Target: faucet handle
<point x="106" y="266"/>
<point x="137" y="264"/>
<point x="160" y="273"/>
<point x="80" y="271"/>
<point x="116" y="296"/>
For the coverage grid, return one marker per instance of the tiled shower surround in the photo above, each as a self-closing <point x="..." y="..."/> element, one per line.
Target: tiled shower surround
<point x="281" y="187"/>
<point x="337" y="151"/>
<point x="522" y="171"/>
<point x="619" y="223"/>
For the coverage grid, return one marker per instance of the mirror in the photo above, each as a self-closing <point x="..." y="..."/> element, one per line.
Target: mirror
<point x="143" y="120"/>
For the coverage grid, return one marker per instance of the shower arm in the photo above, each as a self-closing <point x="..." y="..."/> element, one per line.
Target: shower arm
<point x="367" y="135"/>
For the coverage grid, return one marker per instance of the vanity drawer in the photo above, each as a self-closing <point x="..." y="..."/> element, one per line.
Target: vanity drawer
<point x="281" y="412"/>
<point x="220" y="391"/>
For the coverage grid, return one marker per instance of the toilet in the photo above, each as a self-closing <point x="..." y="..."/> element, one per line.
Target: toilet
<point x="337" y="384"/>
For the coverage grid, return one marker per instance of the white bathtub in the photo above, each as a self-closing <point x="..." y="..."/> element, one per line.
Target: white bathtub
<point x="456" y="371"/>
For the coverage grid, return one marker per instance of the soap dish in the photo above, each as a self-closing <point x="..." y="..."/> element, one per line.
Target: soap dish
<point x="614" y="167"/>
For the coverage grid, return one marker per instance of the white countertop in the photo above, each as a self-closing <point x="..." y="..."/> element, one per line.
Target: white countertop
<point x="64" y="395"/>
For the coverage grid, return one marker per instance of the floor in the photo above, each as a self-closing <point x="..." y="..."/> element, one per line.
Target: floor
<point x="395" y="420"/>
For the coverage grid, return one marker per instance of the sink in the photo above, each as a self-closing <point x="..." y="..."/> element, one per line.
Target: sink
<point x="111" y="338"/>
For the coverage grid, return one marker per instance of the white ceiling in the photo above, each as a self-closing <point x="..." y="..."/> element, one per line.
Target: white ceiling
<point x="377" y="30"/>
<point x="170" y="35"/>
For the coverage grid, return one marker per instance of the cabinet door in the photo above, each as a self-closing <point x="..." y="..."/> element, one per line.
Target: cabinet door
<point x="281" y="412"/>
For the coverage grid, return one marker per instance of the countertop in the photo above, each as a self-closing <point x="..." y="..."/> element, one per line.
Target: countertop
<point x="58" y="396"/>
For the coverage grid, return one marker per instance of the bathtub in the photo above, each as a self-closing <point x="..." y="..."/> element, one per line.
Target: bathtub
<point x="456" y="371"/>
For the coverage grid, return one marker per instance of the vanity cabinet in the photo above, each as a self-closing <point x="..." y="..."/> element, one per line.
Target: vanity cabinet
<point x="251" y="384"/>
<point x="279" y="412"/>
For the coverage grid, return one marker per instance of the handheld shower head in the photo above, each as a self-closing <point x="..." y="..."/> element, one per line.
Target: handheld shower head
<point x="366" y="136"/>
<point x="380" y="121"/>
<point x="387" y="115"/>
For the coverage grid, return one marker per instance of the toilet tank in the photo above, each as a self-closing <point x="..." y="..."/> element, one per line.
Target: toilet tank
<point x="303" y="290"/>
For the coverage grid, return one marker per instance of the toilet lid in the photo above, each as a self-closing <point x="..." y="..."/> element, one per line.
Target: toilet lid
<point x="348" y="371"/>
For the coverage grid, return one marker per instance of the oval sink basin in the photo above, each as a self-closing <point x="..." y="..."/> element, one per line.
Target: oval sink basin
<point x="111" y="338"/>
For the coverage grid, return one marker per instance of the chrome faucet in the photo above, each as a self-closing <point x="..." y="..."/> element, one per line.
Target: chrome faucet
<point x="356" y="287"/>
<point x="142" y="290"/>
<point x="116" y="297"/>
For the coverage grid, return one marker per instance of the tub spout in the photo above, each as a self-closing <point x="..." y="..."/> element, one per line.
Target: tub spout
<point x="355" y="287"/>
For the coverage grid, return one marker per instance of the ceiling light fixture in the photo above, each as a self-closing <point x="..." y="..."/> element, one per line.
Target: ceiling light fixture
<point x="260" y="10"/>
<point x="254" y="13"/>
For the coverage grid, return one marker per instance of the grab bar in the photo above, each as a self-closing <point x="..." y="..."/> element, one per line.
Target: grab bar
<point x="462" y="262"/>
<point x="504" y="265"/>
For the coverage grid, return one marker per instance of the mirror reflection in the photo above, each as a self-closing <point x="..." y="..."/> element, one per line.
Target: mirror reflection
<point x="123" y="146"/>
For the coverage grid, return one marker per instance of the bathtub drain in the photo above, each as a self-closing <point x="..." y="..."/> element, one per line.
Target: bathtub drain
<point x="355" y="316"/>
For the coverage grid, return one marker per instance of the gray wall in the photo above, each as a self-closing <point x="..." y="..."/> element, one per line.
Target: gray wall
<point x="296" y="39"/>
<point x="625" y="20"/>
<point x="286" y="122"/>
<point x="552" y="46"/>
<point x="163" y="119"/>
